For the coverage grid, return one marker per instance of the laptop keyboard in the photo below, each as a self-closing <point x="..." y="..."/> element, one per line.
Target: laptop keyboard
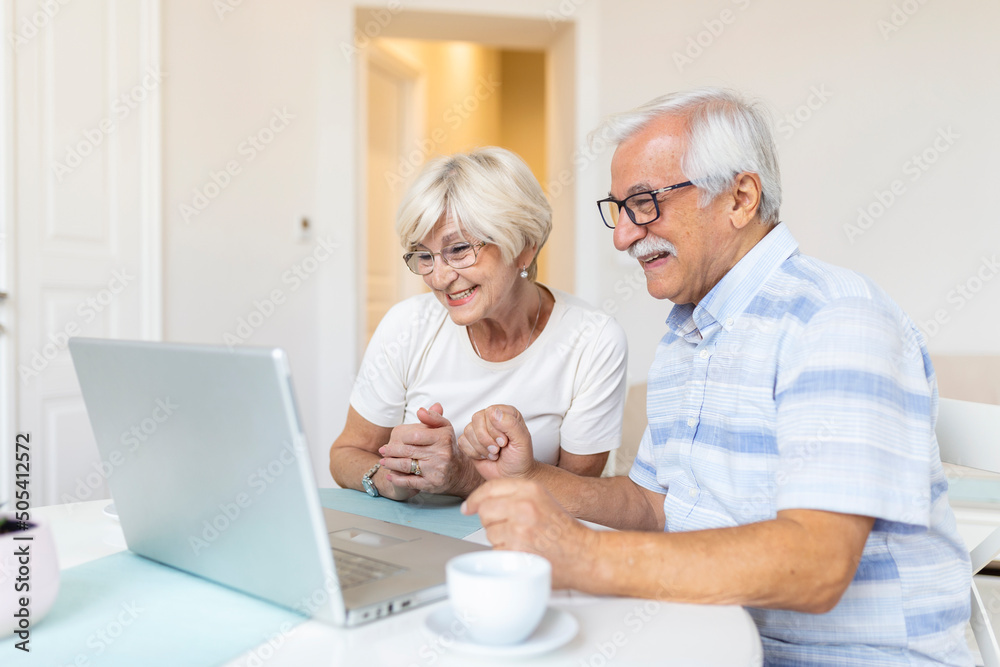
<point x="354" y="570"/>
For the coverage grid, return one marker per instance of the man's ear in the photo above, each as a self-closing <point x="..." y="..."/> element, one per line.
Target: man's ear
<point x="746" y="199"/>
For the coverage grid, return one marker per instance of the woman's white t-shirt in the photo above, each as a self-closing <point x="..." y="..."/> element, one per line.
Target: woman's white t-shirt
<point x="569" y="384"/>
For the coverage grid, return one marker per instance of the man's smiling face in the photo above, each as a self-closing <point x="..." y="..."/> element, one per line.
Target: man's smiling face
<point x="685" y="251"/>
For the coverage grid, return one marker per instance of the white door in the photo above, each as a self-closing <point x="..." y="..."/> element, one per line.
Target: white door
<point x="393" y="122"/>
<point x="86" y="90"/>
<point x="7" y="381"/>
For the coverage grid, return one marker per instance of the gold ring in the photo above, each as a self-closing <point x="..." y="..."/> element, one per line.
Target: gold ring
<point x="414" y="467"/>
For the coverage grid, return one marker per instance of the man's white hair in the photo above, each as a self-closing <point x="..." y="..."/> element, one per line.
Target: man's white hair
<point x="726" y="135"/>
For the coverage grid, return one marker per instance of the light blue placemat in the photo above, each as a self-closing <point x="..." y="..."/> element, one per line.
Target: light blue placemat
<point x="438" y="514"/>
<point x="125" y="610"/>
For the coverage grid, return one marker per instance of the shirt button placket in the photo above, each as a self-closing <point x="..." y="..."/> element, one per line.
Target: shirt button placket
<point x="703" y="354"/>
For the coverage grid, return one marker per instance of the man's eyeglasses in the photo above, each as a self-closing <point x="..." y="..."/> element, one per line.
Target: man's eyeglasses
<point x="459" y="255"/>
<point x="642" y="207"/>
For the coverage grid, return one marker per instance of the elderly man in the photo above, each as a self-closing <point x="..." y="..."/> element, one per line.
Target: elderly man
<point x="790" y="463"/>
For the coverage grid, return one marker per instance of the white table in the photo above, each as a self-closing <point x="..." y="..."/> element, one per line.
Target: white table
<point x="612" y="630"/>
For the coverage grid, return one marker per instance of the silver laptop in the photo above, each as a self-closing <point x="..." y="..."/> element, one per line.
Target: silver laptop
<point x="210" y="474"/>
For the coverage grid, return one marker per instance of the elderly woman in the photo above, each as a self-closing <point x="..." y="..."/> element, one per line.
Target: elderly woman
<point x="487" y="333"/>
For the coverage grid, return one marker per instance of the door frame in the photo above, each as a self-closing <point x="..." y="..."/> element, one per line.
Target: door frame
<point x="149" y="222"/>
<point x="8" y="403"/>
<point x="412" y="126"/>
<point x="560" y="43"/>
<point x="571" y="35"/>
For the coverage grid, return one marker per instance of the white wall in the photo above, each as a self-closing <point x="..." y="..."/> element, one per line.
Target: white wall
<point x="228" y="72"/>
<point x="255" y="72"/>
<point x="888" y="99"/>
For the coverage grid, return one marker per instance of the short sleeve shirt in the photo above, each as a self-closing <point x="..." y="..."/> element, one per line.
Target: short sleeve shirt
<point x="798" y="385"/>
<point x="569" y="384"/>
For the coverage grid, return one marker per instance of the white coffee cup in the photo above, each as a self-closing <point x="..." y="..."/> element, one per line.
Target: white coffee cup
<point x="499" y="596"/>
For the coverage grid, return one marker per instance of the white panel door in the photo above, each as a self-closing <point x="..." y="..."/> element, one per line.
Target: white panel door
<point x="86" y="125"/>
<point x="392" y="135"/>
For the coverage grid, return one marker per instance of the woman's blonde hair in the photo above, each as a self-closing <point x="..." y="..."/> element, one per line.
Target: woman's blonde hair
<point x="490" y="193"/>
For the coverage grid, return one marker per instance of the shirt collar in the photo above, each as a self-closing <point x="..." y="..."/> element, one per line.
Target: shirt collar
<point x="725" y="302"/>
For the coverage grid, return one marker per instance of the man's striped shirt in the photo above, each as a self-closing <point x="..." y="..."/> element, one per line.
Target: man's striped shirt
<point x="798" y="385"/>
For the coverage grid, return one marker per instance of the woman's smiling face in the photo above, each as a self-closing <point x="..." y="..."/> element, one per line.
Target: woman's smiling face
<point x="483" y="290"/>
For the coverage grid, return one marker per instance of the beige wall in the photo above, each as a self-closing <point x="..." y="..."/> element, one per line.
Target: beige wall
<point x="890" y="95"/>
<point x="476" y="96"/>
<point x="463" y="84"/>
<point x="522" y="109"/>
<point x="865" y="96"/>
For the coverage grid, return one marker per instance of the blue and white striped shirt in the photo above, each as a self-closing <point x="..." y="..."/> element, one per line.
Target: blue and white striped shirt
<point x="798" y="385"/>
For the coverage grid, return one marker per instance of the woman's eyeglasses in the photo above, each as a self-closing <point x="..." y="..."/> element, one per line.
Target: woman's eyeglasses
<point x="459" y="255"/>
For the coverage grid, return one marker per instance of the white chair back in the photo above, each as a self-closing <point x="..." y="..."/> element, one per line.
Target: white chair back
<point x="968" y="435"/>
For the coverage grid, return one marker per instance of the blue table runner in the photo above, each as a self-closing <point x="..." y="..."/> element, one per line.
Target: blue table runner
<point x="124" y="610"/>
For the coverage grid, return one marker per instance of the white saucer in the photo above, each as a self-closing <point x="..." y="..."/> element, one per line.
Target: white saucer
<point x="557" y="628"/>
<point x="111" y="511"/>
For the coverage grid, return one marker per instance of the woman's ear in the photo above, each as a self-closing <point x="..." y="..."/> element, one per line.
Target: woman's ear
<point x="527" y="255"/>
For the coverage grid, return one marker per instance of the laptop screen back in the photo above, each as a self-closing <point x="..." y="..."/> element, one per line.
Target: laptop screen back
<point x="210" y="470"/>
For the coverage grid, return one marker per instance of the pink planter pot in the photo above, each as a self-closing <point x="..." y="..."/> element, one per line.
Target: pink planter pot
<point x="29" y="577"/>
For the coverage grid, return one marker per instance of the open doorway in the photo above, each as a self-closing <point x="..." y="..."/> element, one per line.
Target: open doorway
<point x="395" y="113"/>
<point x="434" y="87"/>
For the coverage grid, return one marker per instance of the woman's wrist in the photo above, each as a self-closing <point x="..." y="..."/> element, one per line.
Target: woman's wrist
<point x="388" y="489"/>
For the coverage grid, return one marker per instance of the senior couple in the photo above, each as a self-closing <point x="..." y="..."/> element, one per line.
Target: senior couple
<point x="789" y="464"/>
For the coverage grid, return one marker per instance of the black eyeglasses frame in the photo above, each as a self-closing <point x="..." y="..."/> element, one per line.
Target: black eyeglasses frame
<point x="623" y="203"/>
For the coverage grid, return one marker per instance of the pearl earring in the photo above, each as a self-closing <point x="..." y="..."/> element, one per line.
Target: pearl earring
<point x="524" y="272"/>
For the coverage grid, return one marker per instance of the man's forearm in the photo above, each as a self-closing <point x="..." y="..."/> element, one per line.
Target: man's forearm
<point x="617" y="502"/>
<point x="784" y="563"/>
